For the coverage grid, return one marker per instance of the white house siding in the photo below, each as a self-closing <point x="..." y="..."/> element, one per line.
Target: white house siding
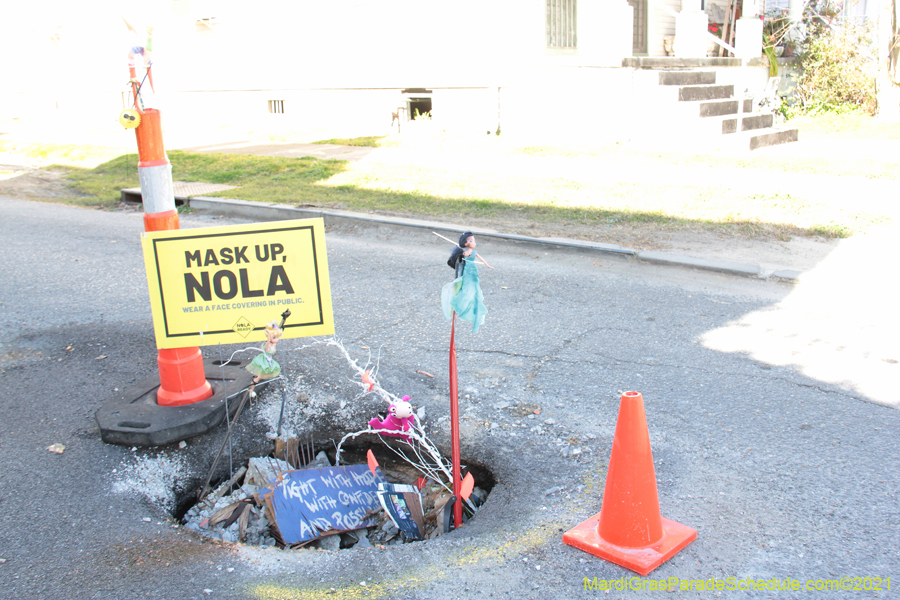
<point x="659" y="25"/>
<point x="340" y="43"/>
<point x="565" y="103"/>
<point x="722" y="9"/>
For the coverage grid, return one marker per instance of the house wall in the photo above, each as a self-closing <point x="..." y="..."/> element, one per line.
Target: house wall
<point x="660" y="24"/>
<point x="339" y="67"/>
<point x="566" y="103"/>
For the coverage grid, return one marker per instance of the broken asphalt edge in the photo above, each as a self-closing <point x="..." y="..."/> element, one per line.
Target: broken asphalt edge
<point x="262" y="211"/>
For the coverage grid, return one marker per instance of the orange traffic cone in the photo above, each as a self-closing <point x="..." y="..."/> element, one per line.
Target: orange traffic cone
<point x="182" y="374"/>
<point x="629" y="529"/>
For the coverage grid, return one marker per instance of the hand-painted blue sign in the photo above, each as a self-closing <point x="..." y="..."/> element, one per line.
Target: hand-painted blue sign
<point x="309" y="503"/>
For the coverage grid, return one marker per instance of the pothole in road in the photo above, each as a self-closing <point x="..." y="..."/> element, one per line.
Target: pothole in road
<point x="296" y="498"/>
<point x="294" y="493"/>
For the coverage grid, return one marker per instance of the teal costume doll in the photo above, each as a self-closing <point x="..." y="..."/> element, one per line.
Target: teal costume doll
<point x="463" y="295"/>
<point x="264" y="366"/>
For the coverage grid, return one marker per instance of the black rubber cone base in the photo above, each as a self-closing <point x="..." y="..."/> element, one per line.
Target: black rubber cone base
<point x="135" y="419"/>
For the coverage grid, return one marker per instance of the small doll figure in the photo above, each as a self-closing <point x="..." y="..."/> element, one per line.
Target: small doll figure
<point x="139" y="64"/>
<point x="399" y="418"/>
<point x="264" y="366"/>
<point x="463" y="295"/>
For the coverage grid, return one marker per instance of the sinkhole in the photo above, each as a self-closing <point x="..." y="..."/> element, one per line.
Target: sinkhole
<point x="314" y="463"/>
<point x="299" y="497"/>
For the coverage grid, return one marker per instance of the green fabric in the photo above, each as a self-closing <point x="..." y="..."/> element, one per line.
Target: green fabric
<point x="464" y="296"/>
<point x="264" y="366"/>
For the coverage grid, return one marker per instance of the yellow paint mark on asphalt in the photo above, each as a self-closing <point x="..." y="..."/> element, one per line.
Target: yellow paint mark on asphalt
<point x="594" y="480"/>
<point x="523" y="541"/>
<point x="419" y="578"/>
<point x="358" y="592"/>
<point x="423" y="577"/>
<point x="370" y="591"/>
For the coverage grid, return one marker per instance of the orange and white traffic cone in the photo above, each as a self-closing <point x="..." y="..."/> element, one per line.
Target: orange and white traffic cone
<point x="181" y="372"/>
<point x="629" y="529"/>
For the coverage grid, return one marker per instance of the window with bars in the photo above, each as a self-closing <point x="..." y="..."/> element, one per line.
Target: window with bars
<point x="276" y="106"/>
<point x="561" y="24"/>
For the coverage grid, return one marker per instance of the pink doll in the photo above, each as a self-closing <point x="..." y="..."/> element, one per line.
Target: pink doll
<point x="399" y="418"/>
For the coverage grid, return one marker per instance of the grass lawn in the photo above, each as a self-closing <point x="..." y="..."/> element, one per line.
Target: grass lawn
<point x="493" y="181"/>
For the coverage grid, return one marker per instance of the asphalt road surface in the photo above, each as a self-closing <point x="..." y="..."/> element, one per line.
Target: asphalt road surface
<point x="785" y="474"/>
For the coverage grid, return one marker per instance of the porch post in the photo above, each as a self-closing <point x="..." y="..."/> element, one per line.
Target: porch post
<point x="690" y="30"/>
<point x="748" y="32"/>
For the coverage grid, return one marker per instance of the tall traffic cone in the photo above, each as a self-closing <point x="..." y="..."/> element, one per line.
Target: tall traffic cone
<point x="181" y="372"/>
<point x="629" y="530"/>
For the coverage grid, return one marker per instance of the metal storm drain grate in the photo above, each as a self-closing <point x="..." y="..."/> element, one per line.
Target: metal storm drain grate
<point x="183" y="190"/>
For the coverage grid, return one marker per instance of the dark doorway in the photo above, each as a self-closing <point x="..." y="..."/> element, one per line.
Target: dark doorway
<point x="418" y="103"/>
<point x="418" y="107"/>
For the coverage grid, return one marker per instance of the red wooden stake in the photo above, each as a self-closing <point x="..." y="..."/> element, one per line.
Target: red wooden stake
<point x="454" y="428"/>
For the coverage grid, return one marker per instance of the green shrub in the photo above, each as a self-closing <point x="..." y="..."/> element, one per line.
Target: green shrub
<point x="837" y="69"/>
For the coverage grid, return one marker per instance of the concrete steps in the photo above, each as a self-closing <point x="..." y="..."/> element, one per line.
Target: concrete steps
<point x="774" y="136"/>
<point x="704" y="93"/>
<point x="690" y="103"/>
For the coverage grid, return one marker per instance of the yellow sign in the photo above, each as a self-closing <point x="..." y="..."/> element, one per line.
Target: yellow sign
<point x="221" y="285"/>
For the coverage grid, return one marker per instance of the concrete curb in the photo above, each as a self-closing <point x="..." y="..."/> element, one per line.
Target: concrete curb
<point x="261" y="211"/>
<point x="719" y="266"/>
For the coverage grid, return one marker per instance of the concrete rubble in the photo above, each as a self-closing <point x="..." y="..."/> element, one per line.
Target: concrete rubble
<point x="237" y="511"/>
